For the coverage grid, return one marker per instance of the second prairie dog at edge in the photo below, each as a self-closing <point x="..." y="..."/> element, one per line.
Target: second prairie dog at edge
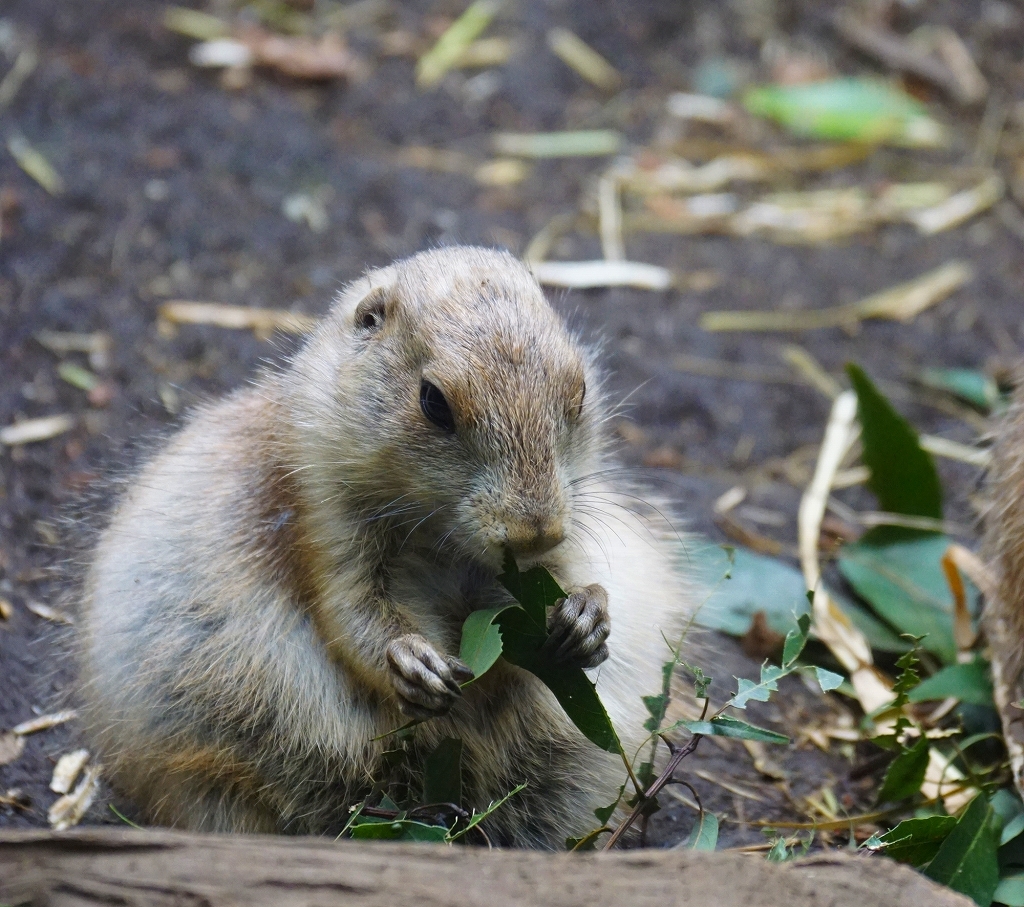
<point x="287" y="579"/>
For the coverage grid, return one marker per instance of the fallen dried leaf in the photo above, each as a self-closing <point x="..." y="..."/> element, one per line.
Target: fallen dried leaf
<point x="34" y="164"/>
<point x="32" y="430"/>
<point x="262" y="321"/>
<point x="903" y="303"/>
<point x="11" y="747"/>
<point x="44" y="722"/>
<point x="67" y="770"/>
<point x="48" y="613"/>
<point x="6" y="609"/>
<point x="581" y="57"/>
<point x="589" y="274"/>
<point x="960" y="207"/>
<point x="580" y="143"/>
<point x="69" y="810"/>
<point x="454" y="42"/>
<point x="97" y="345"/>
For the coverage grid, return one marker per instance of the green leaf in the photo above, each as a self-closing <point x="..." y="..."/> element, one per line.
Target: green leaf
<point x="903" y="476"/>
<point x="796" y="640"/>
<point x="779" y="852"/>
<point x="442" y="773"/>
<point x="656" y="707"/>
<point x="757" y="583"/>
<point x="727" y="726"/>
<point x="536" y="589"/>
<point x="523" y="634"/>
<point x="970" y="682"/>
<point x="1010" y="891"/>
<point x="578" y="697"/>
<point x="760" y="583"/>
<point x="903" y="582"/>
<point x="906" y="774"/>
<point x="916" y="841"/>
<point x="604" y="813"/>
<point x="851" y="109"/>
<point x="369" y="828"/>
<point x="827" y="680"/>
<point x="966" y="860"/>
<point x="492" y="807"/>
<point x="704" y="834"/>
<point x="970" y="385"/>
<point x="747" y="690"/>
<point x="481" y="640"/>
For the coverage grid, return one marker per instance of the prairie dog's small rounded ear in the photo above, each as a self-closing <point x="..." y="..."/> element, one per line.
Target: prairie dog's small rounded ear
<point x="372" y="311"/>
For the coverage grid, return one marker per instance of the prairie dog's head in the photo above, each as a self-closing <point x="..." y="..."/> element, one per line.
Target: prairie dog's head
<point x="456" y="397"/>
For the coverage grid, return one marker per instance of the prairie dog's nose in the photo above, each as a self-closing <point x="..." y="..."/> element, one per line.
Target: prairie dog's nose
<point x="534" y="536"/>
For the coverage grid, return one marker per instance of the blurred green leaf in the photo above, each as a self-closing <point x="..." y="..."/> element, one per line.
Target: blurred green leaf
<point x="796" y="639"/>
<point x="727" y="726"/>
<point x="704" y="834"/>
<point x="903" y="476"/>
<point x="903" y="582"/>
<point x="970" y="682"/>
<point x="916" y="841"/>
<point x="857" y="110"/>
<point x="904" y="777"/>
<point x="827" y="680"/>
<point x="1010" y="891"/>
<point x="759" y="583"/>
<point x="970" y="385"/>
<point x="966" y="861"/>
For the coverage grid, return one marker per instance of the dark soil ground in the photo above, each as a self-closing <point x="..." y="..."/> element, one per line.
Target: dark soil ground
<point x="174" y="189"/>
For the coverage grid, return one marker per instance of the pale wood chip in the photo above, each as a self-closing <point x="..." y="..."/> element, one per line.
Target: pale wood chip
<point x="67" y="770"/>
<point x="44" y="722"/>
<point x="69" y="810"/>
<point x="32" y="430"/>
<point x="11" y="747"/>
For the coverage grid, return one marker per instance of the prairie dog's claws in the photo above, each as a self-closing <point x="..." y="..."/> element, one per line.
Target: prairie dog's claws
<point x="579" y="626"/>
<point x="426" y="682"/>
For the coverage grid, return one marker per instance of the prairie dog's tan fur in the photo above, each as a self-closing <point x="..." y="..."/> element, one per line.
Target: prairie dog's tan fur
<point x="297" y="562"/>
<point x="1004" y="552"/>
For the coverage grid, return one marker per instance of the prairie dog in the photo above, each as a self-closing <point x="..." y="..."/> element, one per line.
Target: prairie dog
<point x="1004" y="551"/>
<point x="286" y="581"/>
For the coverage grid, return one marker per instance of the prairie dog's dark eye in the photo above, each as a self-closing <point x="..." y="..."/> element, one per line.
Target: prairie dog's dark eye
<point x="435" y="407"/>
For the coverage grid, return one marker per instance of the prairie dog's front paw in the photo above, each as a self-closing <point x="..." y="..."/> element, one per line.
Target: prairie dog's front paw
<point x="579" y="626"/>
<point x="427" y="682"/>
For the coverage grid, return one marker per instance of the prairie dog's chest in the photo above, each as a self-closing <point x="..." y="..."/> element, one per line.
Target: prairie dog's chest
<point x="440" y="597"/>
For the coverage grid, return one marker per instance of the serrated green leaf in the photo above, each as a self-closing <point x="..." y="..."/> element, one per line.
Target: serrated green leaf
<point x="905" y="776"/>
<point x="903" y="476"/>
<point x="970" y="682"/>
<point x="967" y="861"/>
<point x="827" y="680"/>
<point x="796" y="640"/>
<point x="903" y="582"/>
<point x="727" y="726"/>
<point x="481" y="640"/>
<point x="479" y="817"/>
<point x="368" y="828"/>
<point x="747" y="690"/>
<point x="916" y="841"/>
<point x="604" y="813"/>
<point x="704" y="834"/>
<point x="656" y="706"/>
<point x="442" y="773"/>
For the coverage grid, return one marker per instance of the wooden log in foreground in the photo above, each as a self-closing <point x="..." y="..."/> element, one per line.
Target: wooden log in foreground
<point x="88" y="867"/>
